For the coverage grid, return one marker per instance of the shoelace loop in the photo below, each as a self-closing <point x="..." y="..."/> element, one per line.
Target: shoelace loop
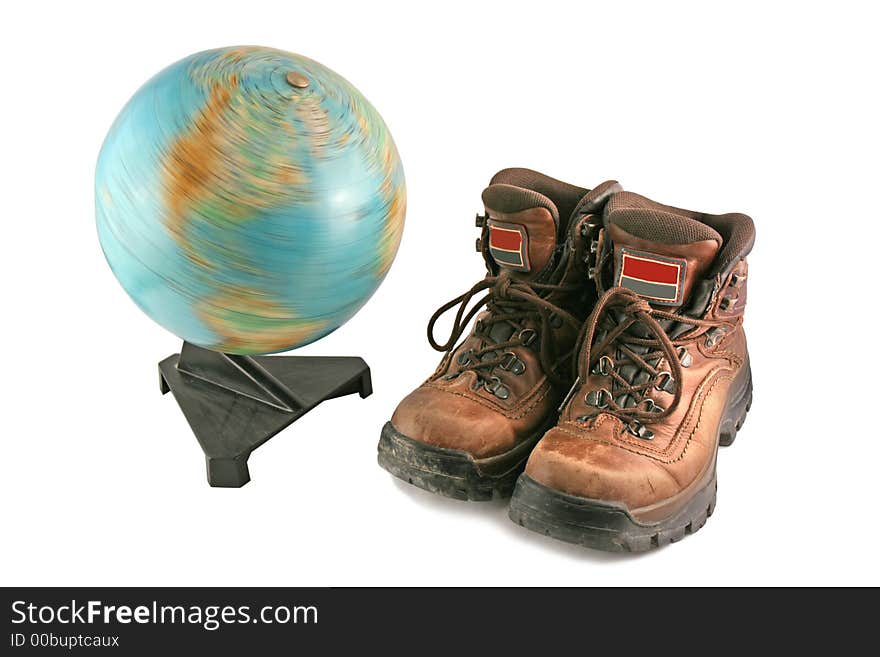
<point x="508" y="300"/>
<point x="644" y="353"/>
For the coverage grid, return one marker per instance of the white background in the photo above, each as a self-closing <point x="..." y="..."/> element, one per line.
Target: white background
<point x="768" y="108"/>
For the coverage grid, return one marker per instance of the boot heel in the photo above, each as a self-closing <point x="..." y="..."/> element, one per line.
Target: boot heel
<point x="735" y="414"/>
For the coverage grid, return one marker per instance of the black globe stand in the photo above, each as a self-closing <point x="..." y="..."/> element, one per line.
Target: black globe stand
<point x="236" y="403"/>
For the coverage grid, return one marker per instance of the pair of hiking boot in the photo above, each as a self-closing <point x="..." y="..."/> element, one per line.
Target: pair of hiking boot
<point x="606" y="364"/>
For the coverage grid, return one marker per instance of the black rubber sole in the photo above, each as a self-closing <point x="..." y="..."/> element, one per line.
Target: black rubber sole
<point x="602" y="525"/>
<point x="611" y="527"/>
<point x="450" y="472"/>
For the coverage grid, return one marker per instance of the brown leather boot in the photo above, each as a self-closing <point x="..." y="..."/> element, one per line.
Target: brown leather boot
<point x="467" y="431"/>
<point x="663" y="379"/>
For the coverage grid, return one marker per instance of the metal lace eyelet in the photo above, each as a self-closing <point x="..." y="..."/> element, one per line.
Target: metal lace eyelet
<point x="664" y="383"/>
<point x="512" y="363"/>
<point x="727" y="301"/>
<point x="479" y="326"/>
<point x="497" y="388"/>
<point x="651" y="406"/>
<point x="639" y="430"/>
<point x="714" y="336"/>
<point x="527" y="336"/>
<point x="684" y="357"/>
<point x="598" y="398"/>
<point x="465" y="357"/>
<point x="604" y="366"/>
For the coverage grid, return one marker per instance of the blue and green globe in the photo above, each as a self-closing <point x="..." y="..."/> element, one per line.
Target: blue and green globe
<point x="249" y="200"/>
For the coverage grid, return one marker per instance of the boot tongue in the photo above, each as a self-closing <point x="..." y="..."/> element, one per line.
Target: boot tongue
<point x="522" y="229"/>
<point x="660" y="252"/>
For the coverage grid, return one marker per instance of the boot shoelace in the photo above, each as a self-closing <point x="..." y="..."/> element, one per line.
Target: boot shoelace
<point x="515" y="302"/>
<point x="628" y="398"/>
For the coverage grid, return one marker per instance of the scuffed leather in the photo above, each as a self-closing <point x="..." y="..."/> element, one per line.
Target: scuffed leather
<point x="450" y="413"/>
<point x="598" y="459"/>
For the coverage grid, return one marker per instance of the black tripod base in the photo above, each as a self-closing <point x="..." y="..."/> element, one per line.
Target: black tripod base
<point x="236" y="403"/>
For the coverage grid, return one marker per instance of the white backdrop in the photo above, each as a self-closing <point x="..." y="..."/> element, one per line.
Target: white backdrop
<point x="767" y="109"/>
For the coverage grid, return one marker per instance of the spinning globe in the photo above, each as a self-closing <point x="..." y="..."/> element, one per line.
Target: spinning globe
<point x="249" y="200"/>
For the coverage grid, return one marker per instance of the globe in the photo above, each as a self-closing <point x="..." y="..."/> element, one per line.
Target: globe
<point x="249" y="200"/>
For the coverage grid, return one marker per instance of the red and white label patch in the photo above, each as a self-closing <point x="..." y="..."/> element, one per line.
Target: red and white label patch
<point x="659" y="279"/>
<point x="509" y="245"/>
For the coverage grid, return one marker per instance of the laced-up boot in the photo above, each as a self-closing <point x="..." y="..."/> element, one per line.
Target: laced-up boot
<point x="467" y="431"/>
<point x="663" y="379"/>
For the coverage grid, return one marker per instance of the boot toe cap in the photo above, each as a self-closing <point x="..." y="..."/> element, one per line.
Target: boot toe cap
<point x="597" y="470"/>
<point x="450" y="420"/>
